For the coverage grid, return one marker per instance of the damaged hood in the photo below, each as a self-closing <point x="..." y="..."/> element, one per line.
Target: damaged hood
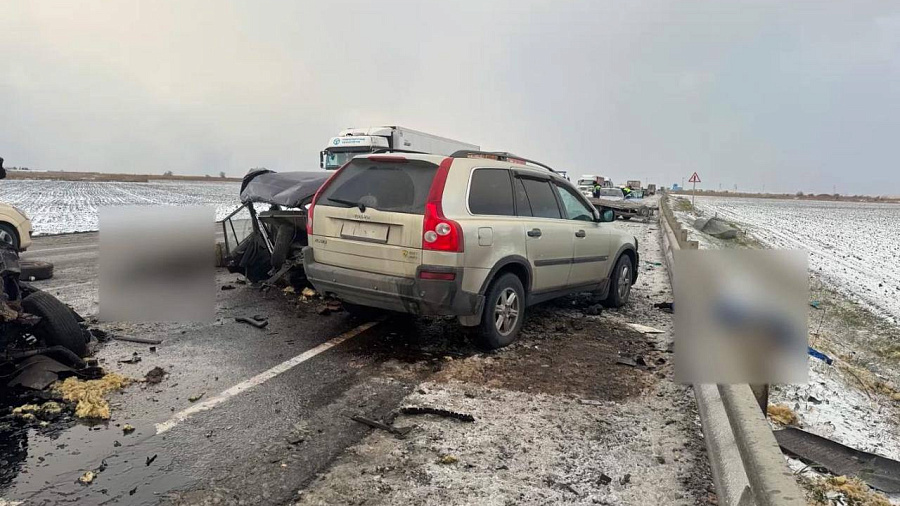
<point x="286" y="189"/>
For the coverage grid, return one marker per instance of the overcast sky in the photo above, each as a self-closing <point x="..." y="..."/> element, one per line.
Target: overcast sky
<point x="790" y="95"/>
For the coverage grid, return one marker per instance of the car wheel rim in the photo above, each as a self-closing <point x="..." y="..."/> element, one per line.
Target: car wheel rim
<point x="624" y="281"/>
<point x="506" y="311"/>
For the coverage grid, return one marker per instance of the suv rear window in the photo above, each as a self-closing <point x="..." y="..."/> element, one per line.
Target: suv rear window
<point x="386" y="186"/>
<point x="491" y="193"/>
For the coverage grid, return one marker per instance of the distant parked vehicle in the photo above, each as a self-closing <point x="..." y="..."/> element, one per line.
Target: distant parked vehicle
<point x="651" y="189"/>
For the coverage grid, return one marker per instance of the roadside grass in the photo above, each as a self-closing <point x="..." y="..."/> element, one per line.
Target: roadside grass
<point x="851" y="491"/>
<point x="683" y="204"/>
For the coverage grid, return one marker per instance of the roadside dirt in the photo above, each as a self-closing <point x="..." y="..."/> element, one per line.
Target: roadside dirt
<point x="557" y="419"/>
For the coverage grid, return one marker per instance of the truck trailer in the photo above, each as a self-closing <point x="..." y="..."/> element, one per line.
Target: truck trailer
<point x="351" y="142"/>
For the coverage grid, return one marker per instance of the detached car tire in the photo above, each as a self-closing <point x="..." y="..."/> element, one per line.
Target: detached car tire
<point x="35" y="269"/>
<point x="504" y="312"/>
<point x="58" y="326"/>
<point x="620" y="282"/>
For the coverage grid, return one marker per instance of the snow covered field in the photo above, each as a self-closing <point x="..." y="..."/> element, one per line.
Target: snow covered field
<point x="853" y="246"/>
<point x="57" y="207"/>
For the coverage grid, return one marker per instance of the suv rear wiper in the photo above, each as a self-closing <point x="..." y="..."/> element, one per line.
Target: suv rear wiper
<point x="360" y="205"/>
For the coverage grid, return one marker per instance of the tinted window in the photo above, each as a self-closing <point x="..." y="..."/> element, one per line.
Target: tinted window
<point x="575" y="208"/>
<point x="386" y="186"/>
<point x="540" y="196"/>
<point x="523" y="208"/>
<point x="491" y="192"/>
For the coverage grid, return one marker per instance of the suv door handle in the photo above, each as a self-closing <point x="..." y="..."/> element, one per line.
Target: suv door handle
<point x="580" y="233"/>
<point x="535" y="232"/>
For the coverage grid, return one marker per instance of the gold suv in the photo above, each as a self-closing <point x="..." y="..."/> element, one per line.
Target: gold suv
<point x="477" y="235"/>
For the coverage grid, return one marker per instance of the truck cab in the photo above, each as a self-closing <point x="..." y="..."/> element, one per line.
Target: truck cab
<point x="351" y="142"/>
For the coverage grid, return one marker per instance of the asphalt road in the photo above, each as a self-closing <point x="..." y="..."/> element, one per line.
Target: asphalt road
<point x="260" y="440"/>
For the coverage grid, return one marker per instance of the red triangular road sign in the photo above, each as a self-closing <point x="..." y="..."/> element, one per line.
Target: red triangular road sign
<point x="694" y="178"/>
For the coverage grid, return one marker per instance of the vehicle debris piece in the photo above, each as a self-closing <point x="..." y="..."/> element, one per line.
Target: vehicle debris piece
<point x="425" y="410"/>
<point x="819" y="355"/>
<point x="879" y="472"/>
<point x="139" y="340"/>
<point x="150" y="460"/>
<point x="258" y="323"/>
<point x="400" y="432"/>
<point x="90" y="395"/>
<point x="155" y="375"/>
<point x="668" y="307"/>
<point x="135" y="358"/>
<point x="815" y="304"/>
<point x="289" y="290"/>
<point x="227" y="287"/>
<point x="47" y="411"/>
<point x="127" y="429"/>
<point x="590" y="402"/>
<point x="604" y="479"/>
<point x="782" y="414"/>
<point x="643" y="329"/>
<point x="39" y="372"/>
<point x="307" y="293"/>
<point x="196" y="397"/>
<point x="87" y="478"/>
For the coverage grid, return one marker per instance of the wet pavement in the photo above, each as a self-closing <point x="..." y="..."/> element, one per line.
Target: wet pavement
<point x="260" y="446"/>
<point x="246" y="447"/>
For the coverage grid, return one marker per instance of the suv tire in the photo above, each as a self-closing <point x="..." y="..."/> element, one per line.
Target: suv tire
<point x="13" y="234"/>
<point x="620" y="282"/>
<point x="504" y="312"/>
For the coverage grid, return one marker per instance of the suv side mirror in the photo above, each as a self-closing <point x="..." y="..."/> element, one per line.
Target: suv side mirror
<point x="607" y="215"/>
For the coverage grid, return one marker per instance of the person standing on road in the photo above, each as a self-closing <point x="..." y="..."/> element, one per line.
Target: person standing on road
<point x="596" y="190"/>
<point x="627" y="191"/>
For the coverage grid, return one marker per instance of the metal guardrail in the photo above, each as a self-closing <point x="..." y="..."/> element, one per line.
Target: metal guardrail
<point x="747" y="465"/>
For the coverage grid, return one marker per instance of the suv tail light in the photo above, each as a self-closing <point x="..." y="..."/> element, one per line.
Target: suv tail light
<point x="438" y="232"/>
<point x="312" y="204"/>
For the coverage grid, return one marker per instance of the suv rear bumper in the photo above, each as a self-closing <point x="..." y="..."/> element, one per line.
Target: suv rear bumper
<point x="394" y="293"/>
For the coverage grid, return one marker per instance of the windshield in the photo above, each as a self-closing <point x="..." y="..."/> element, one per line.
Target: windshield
<point x="335" y="159"/>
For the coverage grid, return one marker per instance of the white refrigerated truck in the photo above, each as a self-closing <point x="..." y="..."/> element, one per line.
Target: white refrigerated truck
<point x="356" y="141"/>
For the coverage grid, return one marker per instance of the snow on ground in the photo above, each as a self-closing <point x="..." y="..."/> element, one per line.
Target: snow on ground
<point x="557" y="421"/>
<point x="852" y="245"/>
<point x="57" y="207"/>
<point x="851" y="253"/>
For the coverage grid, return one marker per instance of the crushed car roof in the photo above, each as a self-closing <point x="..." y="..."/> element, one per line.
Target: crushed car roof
<point x="288" y="189"/>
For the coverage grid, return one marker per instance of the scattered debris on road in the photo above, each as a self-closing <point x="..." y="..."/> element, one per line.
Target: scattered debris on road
<point x="127" y="429"/>
<point x="139" y="340"/>
<point x="447" y="460"/>
<point x="135" y="358"/>
<point x="196" y="397"/>
<point x="87" y="478"/>
<point x="155" y="375"/>
<point x="259" y="323"/>
<point x="150" y="460"/>
<point x="668" y="307"/>
<point x="400" y="432"/>
<point x="424" y="410"/>
<point x="643" y="329"/>
<point x="90" y="395"/>
<point x="227" y="287"/>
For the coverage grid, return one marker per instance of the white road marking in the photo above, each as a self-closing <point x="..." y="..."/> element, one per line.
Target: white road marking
<point x="261" y="378"/>
<point x="61" y="248"/>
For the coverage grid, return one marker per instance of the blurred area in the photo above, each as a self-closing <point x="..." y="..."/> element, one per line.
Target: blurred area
<point x="741" y="316"/>
<point x="157" y="263"/>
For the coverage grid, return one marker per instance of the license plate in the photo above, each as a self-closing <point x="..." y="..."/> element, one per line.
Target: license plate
<point x="362" y="231"/>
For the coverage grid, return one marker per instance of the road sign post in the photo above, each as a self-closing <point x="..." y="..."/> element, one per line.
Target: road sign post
<point x="694" y="179"/>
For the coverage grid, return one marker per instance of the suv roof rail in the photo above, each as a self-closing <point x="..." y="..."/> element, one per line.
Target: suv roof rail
<point x="500" y="155"/>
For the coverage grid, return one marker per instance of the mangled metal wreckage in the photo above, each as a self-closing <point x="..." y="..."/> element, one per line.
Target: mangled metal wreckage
<point x="267" y="244"/>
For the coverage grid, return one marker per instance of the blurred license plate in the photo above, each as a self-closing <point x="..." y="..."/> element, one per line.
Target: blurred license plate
<point x="362" y="231"/>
